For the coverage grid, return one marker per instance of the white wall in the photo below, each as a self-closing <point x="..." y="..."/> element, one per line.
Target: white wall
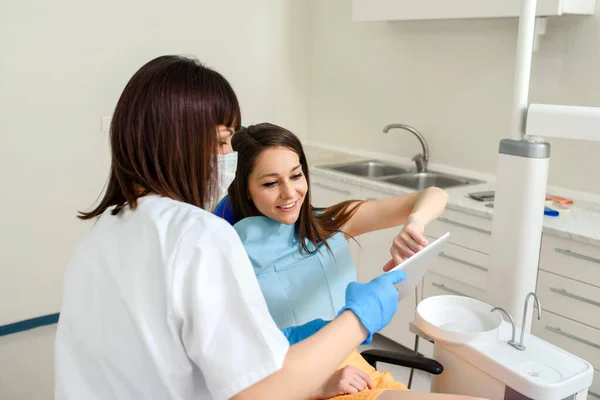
<point x="64" y="64"/>
<point x="452" y="80"/>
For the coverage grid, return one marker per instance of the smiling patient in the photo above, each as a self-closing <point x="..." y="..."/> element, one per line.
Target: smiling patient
<point x="300" y="254"/>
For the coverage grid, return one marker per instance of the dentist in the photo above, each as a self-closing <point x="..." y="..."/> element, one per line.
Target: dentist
<point x="160" y="300"/>
<point x="227" y="163"/>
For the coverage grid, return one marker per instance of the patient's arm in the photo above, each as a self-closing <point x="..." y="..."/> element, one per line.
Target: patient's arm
<point x="414" y="211"/>
<point x="375" y="215"/>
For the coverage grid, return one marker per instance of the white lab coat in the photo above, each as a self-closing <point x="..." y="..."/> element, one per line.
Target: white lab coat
<point x="162" y="303"/>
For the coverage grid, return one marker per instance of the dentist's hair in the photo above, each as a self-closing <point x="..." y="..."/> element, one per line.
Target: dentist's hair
<point x="314" y="224"/>
<point x="163" y="134"/>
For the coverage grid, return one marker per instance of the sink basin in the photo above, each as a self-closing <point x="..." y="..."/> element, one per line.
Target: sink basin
<point x="369" y="169"/>
<point x="424" y="180"/>
<point x="399" y="174"/>
<point x="457" y="319"/>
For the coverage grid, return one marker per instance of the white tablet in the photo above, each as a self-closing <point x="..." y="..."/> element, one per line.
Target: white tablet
<point x="416" y="266"/>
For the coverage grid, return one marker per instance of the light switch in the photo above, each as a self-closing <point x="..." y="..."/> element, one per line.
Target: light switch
<point x="106" y="123"/>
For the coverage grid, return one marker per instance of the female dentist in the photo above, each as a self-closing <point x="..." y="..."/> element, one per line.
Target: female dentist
<point x="160" y="300"/>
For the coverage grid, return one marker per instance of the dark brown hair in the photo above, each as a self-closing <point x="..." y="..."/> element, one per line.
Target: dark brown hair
<point x="163" y="134"/>
<point x="314" y="224"/>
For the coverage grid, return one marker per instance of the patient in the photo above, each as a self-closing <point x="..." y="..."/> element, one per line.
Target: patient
<point x="300" y="253"/>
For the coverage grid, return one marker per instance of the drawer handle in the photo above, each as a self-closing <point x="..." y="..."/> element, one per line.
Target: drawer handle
<point x="559" y="331"/>
<point x="577" y="255"/>
<point x="447" y="289"/>
<point x="574" y="296"/>
<point x="458" y="260"/>
<point x="448" y="221"/>
<point x="372" y="199"/>
<point x="333" y="189"/>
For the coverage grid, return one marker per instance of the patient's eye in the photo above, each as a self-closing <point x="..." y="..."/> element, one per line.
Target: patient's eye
<point x="297" y="176"/>
<point x="269" y="184"/>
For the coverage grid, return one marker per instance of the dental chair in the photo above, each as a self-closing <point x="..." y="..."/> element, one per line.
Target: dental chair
<point x="412" y="361"/>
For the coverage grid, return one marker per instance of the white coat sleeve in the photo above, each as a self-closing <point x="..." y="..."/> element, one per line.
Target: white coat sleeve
<point x="226" y="327"/>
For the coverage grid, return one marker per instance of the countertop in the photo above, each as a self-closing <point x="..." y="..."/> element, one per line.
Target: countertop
<point x="581" y="223"/>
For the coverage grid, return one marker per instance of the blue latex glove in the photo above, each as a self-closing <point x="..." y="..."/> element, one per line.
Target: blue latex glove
<point x="374" y="303"/>
<point x="296" y="334"/>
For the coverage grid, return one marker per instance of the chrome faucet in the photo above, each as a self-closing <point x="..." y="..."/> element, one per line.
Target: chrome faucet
<point x="420" y="159"/>
<point x="537" y="301"/>
<point x="512" y="341"/>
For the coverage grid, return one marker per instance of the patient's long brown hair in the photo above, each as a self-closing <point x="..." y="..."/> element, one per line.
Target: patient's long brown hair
<point x="163" y="134"/>
<point x="314" y="224"/>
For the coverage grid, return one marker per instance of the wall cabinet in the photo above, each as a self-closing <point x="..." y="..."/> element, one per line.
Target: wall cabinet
<point x="398" y="10"/>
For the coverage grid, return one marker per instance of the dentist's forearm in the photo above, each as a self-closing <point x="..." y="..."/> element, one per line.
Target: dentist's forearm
<point x="310" y="363"/>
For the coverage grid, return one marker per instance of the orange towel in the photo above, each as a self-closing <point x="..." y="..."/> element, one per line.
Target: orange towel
<point x="382" y="380"/>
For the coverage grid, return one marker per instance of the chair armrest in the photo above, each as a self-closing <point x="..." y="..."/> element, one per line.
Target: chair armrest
<point x="403" y="359"/>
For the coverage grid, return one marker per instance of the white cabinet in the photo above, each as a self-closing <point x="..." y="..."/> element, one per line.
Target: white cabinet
<point x="569" y="289"/>
<point x="580" y="261"/>
<point x="462" y="266"/>
<point x="457" y="261"/>
<point x="435" y="284"/>
<point x="389" y="10"/>
<point x="326" y="192"/>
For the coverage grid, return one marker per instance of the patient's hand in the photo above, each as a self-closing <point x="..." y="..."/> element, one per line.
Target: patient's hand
<point x="408" y="242"/>
<point x="347" y="380"/>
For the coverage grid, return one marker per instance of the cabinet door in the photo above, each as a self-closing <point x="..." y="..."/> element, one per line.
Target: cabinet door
<point x="465" y="230"/>
<point x="438" y="285"/>
<point x="578" y="339"/>
<point x="326" y="192"/>
<point x="572" y="299"/>
<point x="462" y="264"/>
<point x="565" y="257"/>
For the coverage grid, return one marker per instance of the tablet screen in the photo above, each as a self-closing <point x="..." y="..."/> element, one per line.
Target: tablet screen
<point x="416" y="266"/>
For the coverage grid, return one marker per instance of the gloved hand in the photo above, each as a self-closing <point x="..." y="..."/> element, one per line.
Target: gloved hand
<point x="295" y="334"/>
<point x="374" y="303"/>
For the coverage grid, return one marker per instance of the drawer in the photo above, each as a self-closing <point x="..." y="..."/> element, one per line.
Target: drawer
<point x="438" y="285"/>
<point x="594" y="391"/>
<point x="463" y="265"/>
<point x="574" y="300"/>
<point x="571" y="336"/>
<point x="575" y="260"/>
<point x="326" y="192"/>
<point x="370" y="194"/>
<point x="465" y="230"/>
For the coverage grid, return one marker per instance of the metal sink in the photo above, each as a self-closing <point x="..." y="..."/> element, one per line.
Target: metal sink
<point x="400" y="175"/>
<point x="368" y="169"/>
<point x="424" y="180"/>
